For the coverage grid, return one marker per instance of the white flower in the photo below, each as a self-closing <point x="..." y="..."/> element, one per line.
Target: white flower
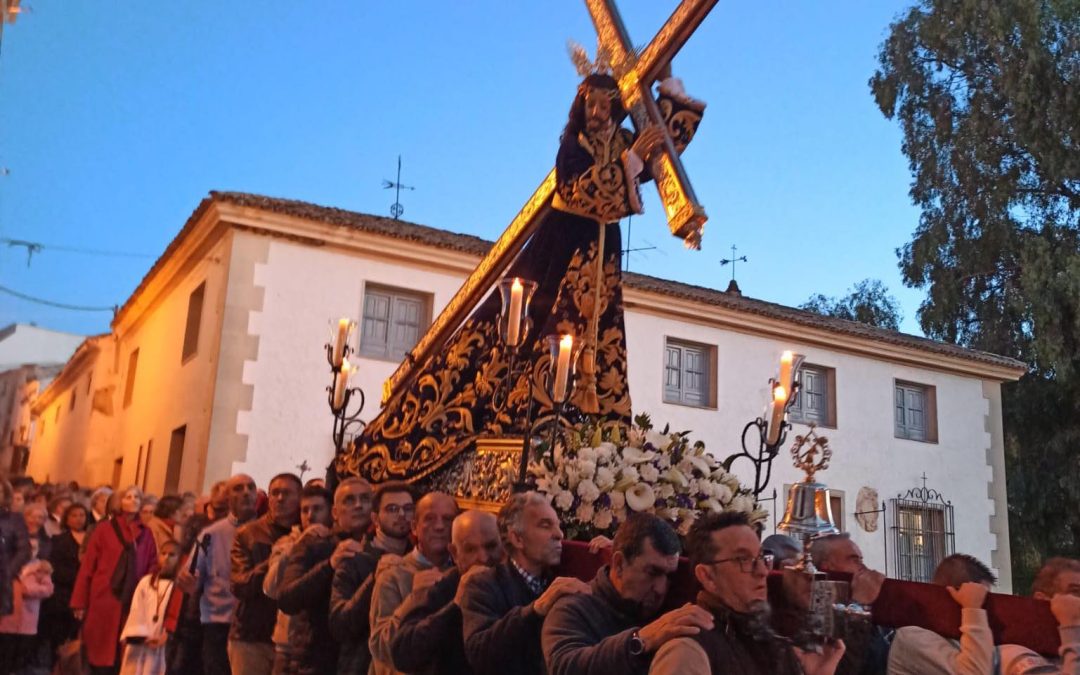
<point x="637" y="456"/>
<point x="665" y="491"/>
<point x="742" y="503"/>
<point x="676" y="477"/>
<point x="587" y="469"/>
<point x="636" y="437"/>
<point x="564" y="500"/>
<point x="543" y="485"/>
<point x="667" y="513"/>
<point x="602" y="519"/>
<point x="640" y="497"/>
<point x="585" y="512"/>
<point x="649" y="473"/>
<point x="587" y="455"/>
<point x="696" y="462"/>
<point x="588" y="491"/>
<point x="722" y="493"/>
<point x="605" y="478"/>
<point x="628" y="475"/>
<point x="759" y="516"/>
<point x="712" y="505"/>
<point x="618" y="500"/>
<point x="658" y="440"/>
<point x="605" y="451"/>
<point x="663" y="462"/>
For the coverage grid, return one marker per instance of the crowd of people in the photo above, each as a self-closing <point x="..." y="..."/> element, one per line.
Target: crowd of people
<point x="378" y="579"/>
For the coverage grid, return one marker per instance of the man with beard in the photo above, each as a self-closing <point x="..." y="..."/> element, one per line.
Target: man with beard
<point x="427" y="637"/>
<point x="726" y="557"/>
<point x="503" y="608"/>
<point x="351" y="590"/>
<point x="309" y="573"/>
<point x="251" y="644"/>
<point x="422" y="567"/>
<point x="603" y="632"/>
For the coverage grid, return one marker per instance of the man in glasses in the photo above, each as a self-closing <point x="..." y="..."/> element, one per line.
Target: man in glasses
<point x="392" y="510"/>
<point x="606" y="631"/>
<point x="727" y="561"/>
<point x="304" y="592"/>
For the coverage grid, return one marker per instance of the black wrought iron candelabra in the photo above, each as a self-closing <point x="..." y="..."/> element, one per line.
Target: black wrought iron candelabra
<point x="762" y="447"/>
<point x="343" y="400"/>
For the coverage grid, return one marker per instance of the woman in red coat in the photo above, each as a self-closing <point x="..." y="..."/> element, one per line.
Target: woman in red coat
<point x="102" y="593"/>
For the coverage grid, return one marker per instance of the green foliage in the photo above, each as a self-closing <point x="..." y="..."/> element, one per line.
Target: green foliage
<point x="867" y="302"/>
<point x="987" y="94"/>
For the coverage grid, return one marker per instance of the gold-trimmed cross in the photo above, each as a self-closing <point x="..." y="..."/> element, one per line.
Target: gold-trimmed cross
<point x="686" y="217"/>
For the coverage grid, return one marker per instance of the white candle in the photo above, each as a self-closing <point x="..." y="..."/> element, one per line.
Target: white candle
<point x="786" y="360"/>
<point x="513" y="327"/>
<point x="776" y="414"/>
<point x="341" y="383"/>
<point x="341" y="340"/>
<point x="562" y="369"/>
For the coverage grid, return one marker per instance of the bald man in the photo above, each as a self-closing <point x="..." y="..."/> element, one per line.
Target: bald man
<point x="217" y="604"/>
<point x="428" y="635"/>
<point x="422" y="567"/>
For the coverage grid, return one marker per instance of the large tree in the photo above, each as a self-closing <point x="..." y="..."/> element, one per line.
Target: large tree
<point x="987" y="93"/>
<point x="869" y="301"/>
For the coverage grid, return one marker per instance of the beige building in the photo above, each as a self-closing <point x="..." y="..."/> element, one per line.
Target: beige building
<point x="216" y="365"/>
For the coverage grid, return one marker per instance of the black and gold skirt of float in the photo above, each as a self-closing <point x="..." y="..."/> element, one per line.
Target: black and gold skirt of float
<point x="460" y="394"/>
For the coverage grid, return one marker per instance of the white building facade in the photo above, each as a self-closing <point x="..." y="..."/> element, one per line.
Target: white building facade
<point x="216" y="365"/>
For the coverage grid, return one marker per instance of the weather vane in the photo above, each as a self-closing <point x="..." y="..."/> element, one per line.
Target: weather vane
<point x="396" y="209"/>
<point x="733" y="286"/>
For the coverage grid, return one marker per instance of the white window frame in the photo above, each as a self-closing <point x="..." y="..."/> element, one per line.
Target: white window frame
<point x="818" y="382"/>
<point x="914" y="411"/>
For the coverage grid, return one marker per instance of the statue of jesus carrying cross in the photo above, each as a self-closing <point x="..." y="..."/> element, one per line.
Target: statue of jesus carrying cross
<point x="567" y="240"/>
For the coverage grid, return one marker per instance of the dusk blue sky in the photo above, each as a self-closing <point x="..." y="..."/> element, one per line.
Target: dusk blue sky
<point x="117" y="118"/>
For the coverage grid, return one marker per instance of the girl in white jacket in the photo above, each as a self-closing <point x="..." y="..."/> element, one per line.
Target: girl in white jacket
<point x="144" y="633"/>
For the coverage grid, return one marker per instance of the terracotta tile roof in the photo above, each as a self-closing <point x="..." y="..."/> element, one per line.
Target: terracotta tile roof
<point x="467" y="243"/>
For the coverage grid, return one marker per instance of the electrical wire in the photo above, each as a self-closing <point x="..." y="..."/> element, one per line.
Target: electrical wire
<point x="38" y="246"/>
<point x="58" y="305"/>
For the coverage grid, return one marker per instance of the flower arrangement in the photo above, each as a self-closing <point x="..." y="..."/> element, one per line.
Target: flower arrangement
<point x="596" y="479"/>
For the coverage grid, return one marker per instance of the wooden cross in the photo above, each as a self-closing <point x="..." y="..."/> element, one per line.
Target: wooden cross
<point x="686" y="217"/>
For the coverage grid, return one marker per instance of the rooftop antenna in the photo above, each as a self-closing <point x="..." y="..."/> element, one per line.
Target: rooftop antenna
<point x="396" y="209"/>
<point x="733" y="287"/>
<point x="628" y="250"/>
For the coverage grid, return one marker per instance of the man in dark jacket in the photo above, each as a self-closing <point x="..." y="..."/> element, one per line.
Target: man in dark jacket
<point x="503" y="608"/>
<point x="428" y="636"/>
<point x="392" y="510"/>
<point x="14" y="547"/>
<point x="605" y="631"/>
<point x="309" y="573"/>
<point x="251" y="647"/>
<point x="726" y="558"/>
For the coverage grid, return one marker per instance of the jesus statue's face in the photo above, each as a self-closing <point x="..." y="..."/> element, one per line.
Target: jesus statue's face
<point x="597" y="109"/>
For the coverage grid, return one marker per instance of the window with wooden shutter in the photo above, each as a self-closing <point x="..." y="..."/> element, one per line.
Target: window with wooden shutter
<point x="393" y="322"/>
<point x="915" y="414"/>
<point x="815" y="402"/>
<point x="194" y="322"/>
<point x="688" y="374"/>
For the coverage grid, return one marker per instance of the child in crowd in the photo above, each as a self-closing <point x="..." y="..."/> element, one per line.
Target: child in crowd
<point x="144" y="634"/>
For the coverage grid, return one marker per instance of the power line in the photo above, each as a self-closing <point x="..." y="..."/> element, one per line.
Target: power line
<point x="58" y="305"/>
<point x="33" y="247"/>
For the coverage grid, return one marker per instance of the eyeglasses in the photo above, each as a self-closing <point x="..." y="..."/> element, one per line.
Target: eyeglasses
<point x="395" y="509"/>
<point x="747" y="564"/>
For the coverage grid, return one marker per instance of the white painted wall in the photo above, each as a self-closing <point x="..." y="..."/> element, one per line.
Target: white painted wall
<point x="31" y="344"/>
<point x="307" y="290"/>
<point x="865" y="450"/>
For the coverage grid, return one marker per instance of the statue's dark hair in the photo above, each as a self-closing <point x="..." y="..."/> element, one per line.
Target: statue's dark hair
<point x="576" y="122"/>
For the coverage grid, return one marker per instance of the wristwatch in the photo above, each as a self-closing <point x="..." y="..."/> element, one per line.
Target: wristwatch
<point x="637" y="645"/>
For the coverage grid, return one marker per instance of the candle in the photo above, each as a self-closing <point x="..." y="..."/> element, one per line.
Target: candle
<point x="513" y="326"/>
<point x="786" y="360"/>
<point x="776" y="414"/>
<point x="339" y="342"/>
<point x="341" y="384"/>
<point x="562" y="369"/>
